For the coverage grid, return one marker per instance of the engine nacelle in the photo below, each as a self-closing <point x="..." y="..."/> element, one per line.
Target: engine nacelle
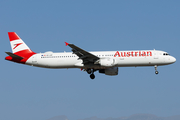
<point x="109" y="71"/>
<point x="107" y="62"/>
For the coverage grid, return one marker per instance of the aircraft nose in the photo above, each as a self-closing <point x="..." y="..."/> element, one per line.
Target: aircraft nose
<point x="173" y="59"/>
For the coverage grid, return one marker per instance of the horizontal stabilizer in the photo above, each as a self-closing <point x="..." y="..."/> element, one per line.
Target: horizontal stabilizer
<point x="14" y="55"/>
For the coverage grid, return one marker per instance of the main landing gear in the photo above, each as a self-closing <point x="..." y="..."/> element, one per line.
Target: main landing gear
<point x="156" y="72"/>
<point x="91" y="71"/>
<point x="92" y="76"/>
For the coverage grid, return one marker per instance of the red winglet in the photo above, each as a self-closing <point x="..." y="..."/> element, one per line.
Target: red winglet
<point x="67" y="43"/>
<point x="13" y="36"/>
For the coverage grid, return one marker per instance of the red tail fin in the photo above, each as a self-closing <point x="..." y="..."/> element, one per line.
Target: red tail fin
<point x="19" y="48"/>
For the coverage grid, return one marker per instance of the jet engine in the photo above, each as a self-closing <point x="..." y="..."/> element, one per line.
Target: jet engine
<point x="109" y="71"/>
<point x="107" y="62"/>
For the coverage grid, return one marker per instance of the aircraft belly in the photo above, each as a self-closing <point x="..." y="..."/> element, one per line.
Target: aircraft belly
<point x="136" y="61"/>
<point x="58" y="63"/>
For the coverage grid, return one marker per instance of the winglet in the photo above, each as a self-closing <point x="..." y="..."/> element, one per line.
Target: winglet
<point x="66" y="43"/>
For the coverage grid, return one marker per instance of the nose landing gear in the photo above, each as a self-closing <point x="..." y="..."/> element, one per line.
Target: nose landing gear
<point x="156" y="72"/>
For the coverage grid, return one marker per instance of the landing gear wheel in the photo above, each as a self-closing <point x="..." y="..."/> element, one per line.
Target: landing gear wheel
<point x="156" y="72"/>
<point x="92" y="76"/>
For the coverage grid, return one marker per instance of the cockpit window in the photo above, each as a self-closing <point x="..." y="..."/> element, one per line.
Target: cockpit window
<point x="165" y="54"/>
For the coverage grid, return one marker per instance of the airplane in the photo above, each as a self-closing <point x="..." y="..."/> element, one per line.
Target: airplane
<point x="106" y="62"/>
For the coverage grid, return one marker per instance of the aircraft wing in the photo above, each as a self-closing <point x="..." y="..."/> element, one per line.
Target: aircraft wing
<point x="87" y="57"/>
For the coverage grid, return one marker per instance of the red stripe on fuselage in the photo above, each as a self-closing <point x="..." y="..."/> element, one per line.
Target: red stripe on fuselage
<point x="26" y="54"/>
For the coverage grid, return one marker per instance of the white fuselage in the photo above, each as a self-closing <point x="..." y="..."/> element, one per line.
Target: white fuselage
<point x="120" y="59"/>
<point x="106" y="62"/>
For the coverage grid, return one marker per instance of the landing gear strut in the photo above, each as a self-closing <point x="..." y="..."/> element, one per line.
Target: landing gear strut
<point x="91" y="71"/>
<point x="156" y="72"/>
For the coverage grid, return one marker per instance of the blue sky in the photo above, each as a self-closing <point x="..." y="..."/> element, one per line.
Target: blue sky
<point x="31" y="93"/>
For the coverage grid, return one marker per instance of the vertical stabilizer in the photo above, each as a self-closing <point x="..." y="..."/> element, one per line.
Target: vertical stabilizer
<point x="19" y="49"/>
<point x="17" y="44"/>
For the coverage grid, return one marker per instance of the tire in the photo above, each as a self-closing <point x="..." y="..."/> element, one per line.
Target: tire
<point x="92" y="76"/>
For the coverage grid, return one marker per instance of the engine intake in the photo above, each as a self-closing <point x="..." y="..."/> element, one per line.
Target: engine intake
<point x="107" y="62"/>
